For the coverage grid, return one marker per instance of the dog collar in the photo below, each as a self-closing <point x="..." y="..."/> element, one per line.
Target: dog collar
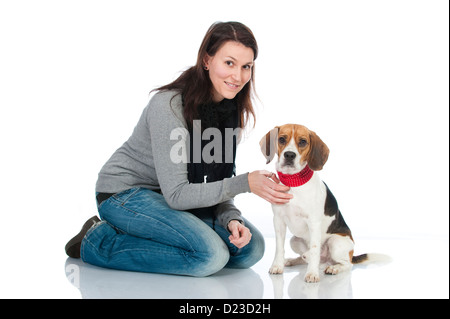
<point x="297" y="179"/>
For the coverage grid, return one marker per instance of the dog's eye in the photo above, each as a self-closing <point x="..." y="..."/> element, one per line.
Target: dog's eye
<point x="282" y="140"/>
<point x="302" y="142"/>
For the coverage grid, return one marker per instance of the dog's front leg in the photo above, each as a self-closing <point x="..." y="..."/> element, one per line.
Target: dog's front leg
<point x="280" y="236"/>
<point x="312" y="272"/>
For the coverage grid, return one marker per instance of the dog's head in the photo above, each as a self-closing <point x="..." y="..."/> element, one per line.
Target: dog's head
<point x="296" y="147"/>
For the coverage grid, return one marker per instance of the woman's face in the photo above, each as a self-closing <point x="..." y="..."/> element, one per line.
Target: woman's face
<point x="229" y="69"/>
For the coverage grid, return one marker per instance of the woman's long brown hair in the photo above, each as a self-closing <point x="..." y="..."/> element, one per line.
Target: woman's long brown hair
<point x="195" y="84"/>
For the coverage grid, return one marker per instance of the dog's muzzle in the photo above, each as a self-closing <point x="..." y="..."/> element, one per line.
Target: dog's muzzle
<point x="289" y="158"/>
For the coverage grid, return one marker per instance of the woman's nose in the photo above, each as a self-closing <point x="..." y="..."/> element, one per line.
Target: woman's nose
<point x="237" y="75"/>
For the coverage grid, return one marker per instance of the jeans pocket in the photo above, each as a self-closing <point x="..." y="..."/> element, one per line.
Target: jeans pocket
<point x="124" y="196"/>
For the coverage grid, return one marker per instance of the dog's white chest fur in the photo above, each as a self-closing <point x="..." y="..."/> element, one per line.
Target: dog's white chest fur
<point x="305" y="208"/>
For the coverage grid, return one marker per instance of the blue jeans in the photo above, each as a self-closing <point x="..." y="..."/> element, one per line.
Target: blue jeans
<point x="140" y="232"/>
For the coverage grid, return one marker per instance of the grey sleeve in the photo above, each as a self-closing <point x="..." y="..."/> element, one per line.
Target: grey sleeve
<point x="168" y="132"/>
<point x="226" y="211"/>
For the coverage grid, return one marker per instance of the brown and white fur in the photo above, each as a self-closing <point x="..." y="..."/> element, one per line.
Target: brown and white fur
<point x="312" y="215"/>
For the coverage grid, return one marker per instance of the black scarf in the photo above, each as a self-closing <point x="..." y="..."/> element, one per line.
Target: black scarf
<point x="214" y="115"/>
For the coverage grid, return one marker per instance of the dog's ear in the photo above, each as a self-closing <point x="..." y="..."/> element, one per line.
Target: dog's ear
<point x="318" y="154"/>
<point x="269" y="144"/>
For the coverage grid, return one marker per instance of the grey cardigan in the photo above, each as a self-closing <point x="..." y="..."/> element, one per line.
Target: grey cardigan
<point x="144" y="161"/>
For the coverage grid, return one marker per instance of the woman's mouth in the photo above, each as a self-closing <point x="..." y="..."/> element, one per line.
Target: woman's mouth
<point x="231" y="85"/>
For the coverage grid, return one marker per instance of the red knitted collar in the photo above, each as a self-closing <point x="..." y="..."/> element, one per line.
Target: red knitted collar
<point x="297" y="179"/>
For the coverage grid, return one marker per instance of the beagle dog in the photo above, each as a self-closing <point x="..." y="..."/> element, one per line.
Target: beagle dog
<point x="313" y="217"/>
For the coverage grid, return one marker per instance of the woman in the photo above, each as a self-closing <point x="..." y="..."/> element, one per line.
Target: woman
<point x="166" y="197"/>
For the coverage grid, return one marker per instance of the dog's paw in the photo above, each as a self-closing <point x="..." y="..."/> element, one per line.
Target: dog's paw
<point x="294" y="261"/>
<point x="332" y="270"/>
<point x="338" y="268"/>
<point x="312" y="277"/>
<point x="276" y="269"/>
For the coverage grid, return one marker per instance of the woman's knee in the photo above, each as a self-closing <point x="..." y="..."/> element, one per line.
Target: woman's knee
<point x="250" y="254"/>
<point x="257" y="249"/>
<point x="211" y="259"/>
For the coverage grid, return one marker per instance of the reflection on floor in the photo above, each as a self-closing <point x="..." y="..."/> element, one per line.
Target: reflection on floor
<point x="400" y="278"/>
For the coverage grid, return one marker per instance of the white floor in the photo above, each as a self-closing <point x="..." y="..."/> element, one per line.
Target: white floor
<point x="420" y="269"/>
<point x="34" y="265"/>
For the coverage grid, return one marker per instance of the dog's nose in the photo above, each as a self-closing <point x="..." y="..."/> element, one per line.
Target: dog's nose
<point x="289" y="155"/>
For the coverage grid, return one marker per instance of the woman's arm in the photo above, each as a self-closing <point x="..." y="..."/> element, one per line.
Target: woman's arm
<point x="165" y="117"/>
<point x="226" y="212"/>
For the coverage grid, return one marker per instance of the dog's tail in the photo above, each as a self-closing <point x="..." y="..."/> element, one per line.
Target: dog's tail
<point x="366" y="258"/>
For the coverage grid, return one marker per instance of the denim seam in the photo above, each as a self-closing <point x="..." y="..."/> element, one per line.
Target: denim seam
<point x="124" y="201"/>
<point x="85" y="239"/>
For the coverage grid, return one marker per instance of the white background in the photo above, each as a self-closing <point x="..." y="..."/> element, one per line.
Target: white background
<point x="369" y="77"/>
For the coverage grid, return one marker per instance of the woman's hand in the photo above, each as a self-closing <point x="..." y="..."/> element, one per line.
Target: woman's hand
<point x="240" y="235"/>
<point x="267" y="185"/>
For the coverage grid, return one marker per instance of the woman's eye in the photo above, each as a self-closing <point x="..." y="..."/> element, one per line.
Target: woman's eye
<point x="282" y="140"/>
<point x="229" y="63"/>
<point x="247" y="67"/>
<point x="302" y="143"/>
